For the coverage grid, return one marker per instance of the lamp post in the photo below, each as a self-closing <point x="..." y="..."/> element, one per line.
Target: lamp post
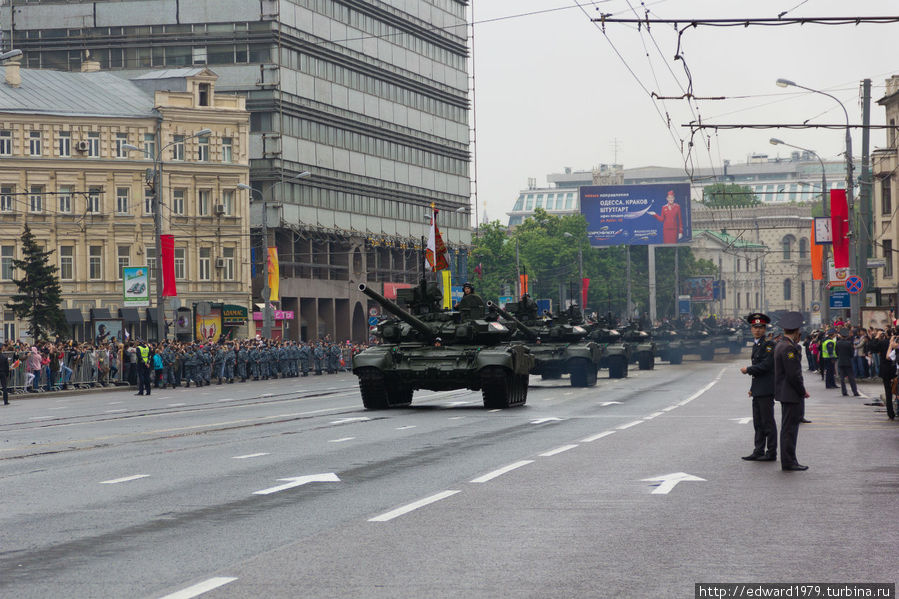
<point x="267" y="310"/>
<point x="825" y="302"/>
<point x="157" y="221"/>
<point x="850" y="195"/>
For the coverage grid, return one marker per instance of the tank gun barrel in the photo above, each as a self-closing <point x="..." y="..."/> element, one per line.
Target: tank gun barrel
<point x="530" y="333"/>
<point x="403" y="315"/>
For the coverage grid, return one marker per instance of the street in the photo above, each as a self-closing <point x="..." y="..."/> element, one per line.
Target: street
<point x="632" y="488"/>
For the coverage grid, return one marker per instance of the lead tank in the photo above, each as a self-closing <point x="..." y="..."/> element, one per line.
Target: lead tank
<point x="426" y="347"/>
<point x="559" y="347"/>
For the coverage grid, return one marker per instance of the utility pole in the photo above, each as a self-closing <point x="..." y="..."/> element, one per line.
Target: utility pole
<point x="865" y="223"/>
<point x="627" y="303"/>
<point x="651" y="264"/>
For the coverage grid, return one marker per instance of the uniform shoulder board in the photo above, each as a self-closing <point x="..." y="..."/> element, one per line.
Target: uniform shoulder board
<point x="769" y="347"/>
<point x="791" y="355"/>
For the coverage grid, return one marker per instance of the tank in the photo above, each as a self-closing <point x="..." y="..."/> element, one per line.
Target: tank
<point x="616" y="351"/>
<point x="643" y="348"/>
<point x="559" y="347"/>
<point x="669" y="345"/>
<point x="426" y="347"/>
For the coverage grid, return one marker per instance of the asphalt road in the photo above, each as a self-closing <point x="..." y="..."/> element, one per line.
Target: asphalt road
<point x="289" y="488"/>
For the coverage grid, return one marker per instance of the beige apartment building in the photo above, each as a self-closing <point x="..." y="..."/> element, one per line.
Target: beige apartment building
<point x="67" y="172"/>
<point x="884" y="163"/>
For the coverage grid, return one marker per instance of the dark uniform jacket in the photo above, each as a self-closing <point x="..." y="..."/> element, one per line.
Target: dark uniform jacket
<point x="788" y="384"/>
<point x="845" y="349"/>
<point x="4" y="365"/>
<point x="887" y="366"/>
<point x="762" y="369"/>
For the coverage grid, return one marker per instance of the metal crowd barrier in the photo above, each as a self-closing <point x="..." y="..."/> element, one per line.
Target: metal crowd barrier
<point x="78" y="373"/>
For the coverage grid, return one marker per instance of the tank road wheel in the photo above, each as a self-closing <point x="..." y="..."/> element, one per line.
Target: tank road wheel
<point x="617" y="367"/>
<point x="675" y="356"/>
<point x="500" y="388"/>
<point x="646" y="361"/>
<point x="551" y="376"/>
<point x="398" y="395"/>
<point x="736" y="347"/>
<point x="373" y="389"/>
<point x="583" y="373"/>
<point x="707" y="354"/>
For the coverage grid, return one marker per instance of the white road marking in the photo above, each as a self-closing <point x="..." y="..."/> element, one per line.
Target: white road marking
<point x="41" y="417"/>
<point x="266" y="395"/>
<point x="501" y="471"/>
<point x="176" y="405"/>
<point x="200" y="588"/>
<point x="457" y="417"/>
<point x="341" y="440"/>
<point x="669" y="481"/>
<point x="403" y="428"/>
<point x="496" y="410"/>
<point x="296" y="481"/>
<point x="629" y="424"/>
<point x="59" y="408"/>
<point x="544" y="420"/>
<point x="412" y="506"/>
<point x="669" y="408"/>
<point x="609" y="403"/>
<point x="567" y="393"/>
<point x="116" y="411"/>
<point x="744" y="420"/>
<point x="249" y="455"/>
<point x="597" y="436"/>
<point x="653" y="415"/>
<point x="344" y="420"/>
<point x="557" y="450"/>
<point x="112" y="403"/>
<point x="224" y="400"/>
<point x="459" y="403"/>
<point x="123" y="480"/>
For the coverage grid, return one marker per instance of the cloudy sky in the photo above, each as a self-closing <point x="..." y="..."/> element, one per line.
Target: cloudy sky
<point x="553" y="90"/>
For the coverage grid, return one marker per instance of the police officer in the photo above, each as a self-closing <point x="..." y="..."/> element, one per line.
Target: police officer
<point x="218" y="363"/>
<point x="143" y="368"/>
<point x="333" y="358"/>
<point x="318" y="355"/>
<point x="789" y="389"/>
<point x="305" y="356"/>
<point x="242" y="357"/>
<point x="762" y="391"/>
<point x="254" y="362"/>
<point x="828" y="358"/>
<point x="845" y="353"/>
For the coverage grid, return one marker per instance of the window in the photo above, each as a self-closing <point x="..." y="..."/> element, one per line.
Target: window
<point x="7" y="198"/>
<point x="93" y="199"/>
<point x="66" y="262"/>
<point x="203" y="149"/>
<point x="93" y="145"/>
<point x="9" y="326"/>
<point x="205" y="256"/>
<point x="151" y="261"/>
<point x="228" y="201"/>
<point x="65" y="199"/>
<point x="228" y="271"/>
<point x="888" y="258"/>
<point x="34" y="143"/>
<point x="788" y="289"/>
<point x="178" y="147"/>
<point x="95" y="262"/>
<point x="738" y="300"/>
<point x="803" y="249"/>
<point x="180" y="270"/>
<point x="5" y="143"/>
<point x="886" y="195"/>
<point x="36" y="198"/>
<point x="203" y="202"/>
<point x="737" y="260"/>
<point x="569" y="200"/>
<point x="178" y="202"/>
<point x="121" y="200"/>
<point x="227" y="150"/>
<point x="204" y="91"/>
<point x="787" y="245"/>
<point x="149" y="196"/>
<point x="124" y="254"/>
<point x="120" y="140"/>
<point x="150" y="145"/>
<point x="7" y="253"/>
<point x="64" y="144"/>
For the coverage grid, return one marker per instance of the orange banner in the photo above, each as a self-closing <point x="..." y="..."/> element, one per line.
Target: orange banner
<point x="524" y="284"/>
<point x="273" y="275"/>
<point x="817" y="258"/>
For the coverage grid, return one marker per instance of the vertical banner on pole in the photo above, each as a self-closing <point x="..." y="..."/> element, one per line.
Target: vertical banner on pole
<point x="167" y="245"/>
<point x="447" y="289"/>
<point x="273" y="274"/>
<point x="817" y="258"/>
<point x="839" y="225"/>
<point x="585" y="284"/>
<point x="524" y="284"/>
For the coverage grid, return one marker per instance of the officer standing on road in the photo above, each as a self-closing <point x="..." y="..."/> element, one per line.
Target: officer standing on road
<point x="789" y="389"/>
<point x="845" y="353"/>
<point x="143" y="368"/>
<point x="305" y="356"/>
<point x="762" y="391"/>
<point x="828" y="358"/>
<point x="4" y="376"/>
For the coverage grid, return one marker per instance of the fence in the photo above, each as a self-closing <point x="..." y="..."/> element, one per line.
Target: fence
<point x="79" y="372"/>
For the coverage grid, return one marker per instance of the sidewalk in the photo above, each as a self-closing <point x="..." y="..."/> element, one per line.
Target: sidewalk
<point x="870" y="397"/>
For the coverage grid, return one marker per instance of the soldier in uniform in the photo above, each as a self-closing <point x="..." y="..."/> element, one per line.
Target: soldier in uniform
<point x="762" y="391"/>
<point x="471" y="306"/>
<point x="305" y="356"/>
<point x="333" y="358"/>
<point x="318" y="354"/>
<point x="254" y="362"/>
<point x="218" y="363"/>
<point x="190" y="366"/>
<point x="789" y="389"/>
<point x="230" y="361"/>
<point x="283" y="356"/>
<point x="206" y="364"/>
<point x="242" y="356"/>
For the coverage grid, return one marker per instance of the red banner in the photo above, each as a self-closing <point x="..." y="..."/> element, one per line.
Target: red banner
<point x="585" y="284"/>
<point x="839" y="226"/>
<point x="168" y="266"/>
<point x="524" y="284"/>
<point x="817" y="258"/>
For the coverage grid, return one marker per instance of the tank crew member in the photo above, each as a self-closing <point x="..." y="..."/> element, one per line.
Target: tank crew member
<point x="471" y="306"/>
<point x="762" y="391"/>
<point x="789" y="389"/>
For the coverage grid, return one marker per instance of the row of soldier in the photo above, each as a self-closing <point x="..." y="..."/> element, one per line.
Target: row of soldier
<point x="241" y="361"/>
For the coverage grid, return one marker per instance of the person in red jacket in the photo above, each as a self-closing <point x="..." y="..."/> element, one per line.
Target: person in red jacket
<point x="671" y="219"/>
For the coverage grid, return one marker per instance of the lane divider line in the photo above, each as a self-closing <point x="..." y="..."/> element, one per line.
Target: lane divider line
<point x="249" y="455"/>
<point x="341" y="440"/>
<point x="501" y="471"/>
<point x="653" y="415"/>
<point x="123" y="480"/>
<point x="557" y="450"/>
<point x="412" y="506"/>
<point x="200" y="588"/>
<point x="597" y="436"/>
<point x="629" y="424"/>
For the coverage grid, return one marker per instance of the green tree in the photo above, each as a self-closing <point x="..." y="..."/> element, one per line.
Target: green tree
<point x="39" y="294"/>
<point x="724" y="195"/>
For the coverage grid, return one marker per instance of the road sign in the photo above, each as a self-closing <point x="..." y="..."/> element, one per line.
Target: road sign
<point x="372" y="321"/>
<point x="204" y="308"/>
<point x="876" y="262"/>
<point x="854" y="284"/>
<point x="839" y="299"/>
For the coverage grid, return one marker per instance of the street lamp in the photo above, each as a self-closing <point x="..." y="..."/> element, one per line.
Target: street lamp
<point x="157" y="221"/>
<point x="10" y="54"/>
<point x="267" y="296"/>
<point x="853" y="298"/>
<point x="580" y="264"/>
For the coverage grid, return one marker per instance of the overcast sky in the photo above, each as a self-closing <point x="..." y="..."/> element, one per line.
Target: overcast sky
<point x="551" y="91"/>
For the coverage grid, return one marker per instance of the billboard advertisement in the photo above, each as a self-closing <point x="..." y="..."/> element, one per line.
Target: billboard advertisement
<point x="136" y="284"/>
<point x="700" y="289"/>
<point x="637" y="214"/>
<point x="109" y="329"/>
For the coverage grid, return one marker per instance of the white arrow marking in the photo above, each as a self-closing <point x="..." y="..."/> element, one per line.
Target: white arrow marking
<point x="628" y="425"/>
<point x="124" y="480"/>
<point x="459" y="403"/>
<point x="669" y="481"/>
<point x="542" y="420"/>
<point x="296" y="481"/>
<point x="249" y="455"/>
<point x="553" y="452"/>
<point x="412" y="506"/>
<point x="745" y="420"/>
<point x="501" y="471"/>
<point x="200" y="588"/>
<point x="592" y="438"/>
<point x="609" y="403"/>
<point x="343" y="420"/>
